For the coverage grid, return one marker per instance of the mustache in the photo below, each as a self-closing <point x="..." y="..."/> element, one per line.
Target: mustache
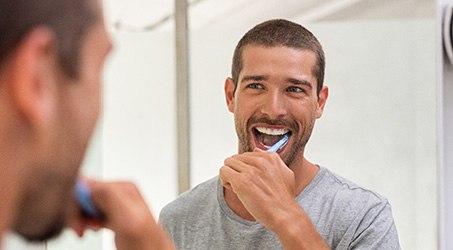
<point x="275" y="122"/>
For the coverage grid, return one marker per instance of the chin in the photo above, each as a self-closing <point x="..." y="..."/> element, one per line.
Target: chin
<point x="30" y="232"/>
<point x="43" y="210"/>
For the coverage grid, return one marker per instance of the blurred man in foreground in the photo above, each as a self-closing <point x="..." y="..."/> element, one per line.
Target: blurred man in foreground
<point x="51" y="57"/>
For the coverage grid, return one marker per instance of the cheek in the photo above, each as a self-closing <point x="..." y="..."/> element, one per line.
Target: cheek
<point x="96" y="99"/>
<point x="246" y="107"/>
<point x="94" y="107"/>
<point x="241" y="116"/>
<point x="305" y="114"/>
<point x="92" y="93"/>
<point x="88" y="107"/>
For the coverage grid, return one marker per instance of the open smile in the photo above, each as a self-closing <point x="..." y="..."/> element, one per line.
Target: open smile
<point x="265" y="137"/>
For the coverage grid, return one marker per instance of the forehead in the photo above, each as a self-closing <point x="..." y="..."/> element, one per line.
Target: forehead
<point x="278" y="60"/>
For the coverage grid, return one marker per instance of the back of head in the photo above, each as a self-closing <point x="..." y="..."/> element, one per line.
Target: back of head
<point x="32" y="110"/>
<point x="68" y="19"/>
<point x="280" y="32"/>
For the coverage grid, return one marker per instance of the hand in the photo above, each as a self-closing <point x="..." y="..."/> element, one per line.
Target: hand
<point x="263" y="183"/>
<point x="266" y="188"/>
<point x="126" y="214"/>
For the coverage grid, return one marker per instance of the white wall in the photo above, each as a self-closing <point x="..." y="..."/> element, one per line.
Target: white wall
<point x="139" y="122"/>
<point x="379" y="126"/>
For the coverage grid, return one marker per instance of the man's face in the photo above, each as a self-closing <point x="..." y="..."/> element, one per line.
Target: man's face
<point x="49" y="194"/>
<point x="275" y="95"/>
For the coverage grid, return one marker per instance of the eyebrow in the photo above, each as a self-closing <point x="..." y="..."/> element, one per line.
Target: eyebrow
<point x="290" y="80"/>
<point x="300" y="82"/>
<point x="253" y="78"/>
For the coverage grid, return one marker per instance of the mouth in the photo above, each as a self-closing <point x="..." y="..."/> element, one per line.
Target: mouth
<point x="266" y="137"/>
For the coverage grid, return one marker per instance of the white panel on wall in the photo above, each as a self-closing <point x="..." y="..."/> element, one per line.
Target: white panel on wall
<point x="379" y="126"/>
<point x="213" y="137"/>
<point x="138" y="140"/>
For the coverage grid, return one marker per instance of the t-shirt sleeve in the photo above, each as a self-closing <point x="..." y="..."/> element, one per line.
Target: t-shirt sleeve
<point x="166" y="220"/>
<point x="376" y="230"/>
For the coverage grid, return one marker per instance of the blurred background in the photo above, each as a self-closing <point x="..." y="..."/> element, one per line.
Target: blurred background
<point x="379" y="128"/>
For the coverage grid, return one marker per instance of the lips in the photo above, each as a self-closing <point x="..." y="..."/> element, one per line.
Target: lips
<point x="265" y="137"/>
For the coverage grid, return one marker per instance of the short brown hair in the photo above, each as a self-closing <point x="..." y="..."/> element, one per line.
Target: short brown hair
<point x="68" y="19"/>
<point x="285" y="33"/>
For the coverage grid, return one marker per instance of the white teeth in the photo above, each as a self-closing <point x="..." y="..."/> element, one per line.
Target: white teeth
<point x="271" y="131"/>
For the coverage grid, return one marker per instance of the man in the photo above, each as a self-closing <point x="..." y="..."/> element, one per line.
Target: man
<point x="51" y="57"/>
<point x="264" y="200"/>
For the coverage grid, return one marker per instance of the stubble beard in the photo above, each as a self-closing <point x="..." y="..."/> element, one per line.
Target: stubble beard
<point x="42" y="212"/>
<point x="245" y="139"/>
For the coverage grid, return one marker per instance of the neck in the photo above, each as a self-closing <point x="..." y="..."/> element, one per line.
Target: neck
<point x="12" y="161"/>
<point x="13" y="157"/>
<point x="304" y="174"/>
<point x="9" y="186"/>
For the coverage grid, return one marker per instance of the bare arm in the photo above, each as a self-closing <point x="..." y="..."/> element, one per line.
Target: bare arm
<point x="127" y="215"/>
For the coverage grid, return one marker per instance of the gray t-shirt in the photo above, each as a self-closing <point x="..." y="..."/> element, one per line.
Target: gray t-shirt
<point x="345" y="215"/>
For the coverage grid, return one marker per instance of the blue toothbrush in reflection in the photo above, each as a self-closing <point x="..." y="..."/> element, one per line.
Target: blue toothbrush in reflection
<point x="83" y="194"/>
<point x="279" y="144"/>
<point x="83" y="197"/>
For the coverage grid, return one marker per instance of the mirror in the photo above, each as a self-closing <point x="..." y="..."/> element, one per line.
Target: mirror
<point x="379" y="126"/>
<point x="378" y="129"/>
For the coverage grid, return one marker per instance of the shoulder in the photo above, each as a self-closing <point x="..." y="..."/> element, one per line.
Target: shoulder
<point x="192" y="200"/>
<point x="346" y="191"/>
<point x="347" y="214"/>
<point x="360" y="216"/>
<point x="344" y="200"/>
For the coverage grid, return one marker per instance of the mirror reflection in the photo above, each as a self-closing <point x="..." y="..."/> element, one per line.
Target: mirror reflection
<point x="377" y="130"/>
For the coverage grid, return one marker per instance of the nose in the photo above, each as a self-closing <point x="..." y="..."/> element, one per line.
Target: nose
<point x="274" y="105"/>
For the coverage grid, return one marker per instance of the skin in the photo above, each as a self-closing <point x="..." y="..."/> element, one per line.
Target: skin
<point x="46" y="121"/>
<point x="117" y="201"/>
<point x="276" y="89"/>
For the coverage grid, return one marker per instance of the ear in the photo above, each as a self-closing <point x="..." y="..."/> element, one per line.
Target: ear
<point x="229" y="89"/>
<point x="322" y="99"/>
<point x="34" y="75"/>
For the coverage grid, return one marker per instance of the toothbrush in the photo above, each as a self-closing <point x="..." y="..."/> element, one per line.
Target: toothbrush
<point x="279" y="144"/>
<point x="83" y="196"/>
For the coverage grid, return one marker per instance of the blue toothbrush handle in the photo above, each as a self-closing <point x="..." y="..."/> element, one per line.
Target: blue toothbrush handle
<point x="279" y="144"/>
<point x="83" y="196"/>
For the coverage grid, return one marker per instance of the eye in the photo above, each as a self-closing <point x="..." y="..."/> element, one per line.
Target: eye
<point x="295" y="89"/>
<point x="255" y="86"/>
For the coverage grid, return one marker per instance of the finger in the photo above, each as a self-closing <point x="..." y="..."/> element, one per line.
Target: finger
<point x="117" y="200"/>
<point x="251" y="159"/>
<point x="227" y="177"/>
<point x="110" y="198"/>
<point x="237" y="163"/>
<point x="225" y="184"/>
<point x="76" y="218"/>
<point x="77" y="226"/>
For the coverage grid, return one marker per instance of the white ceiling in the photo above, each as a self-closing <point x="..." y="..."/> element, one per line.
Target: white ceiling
<point x="158" y="14"/>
